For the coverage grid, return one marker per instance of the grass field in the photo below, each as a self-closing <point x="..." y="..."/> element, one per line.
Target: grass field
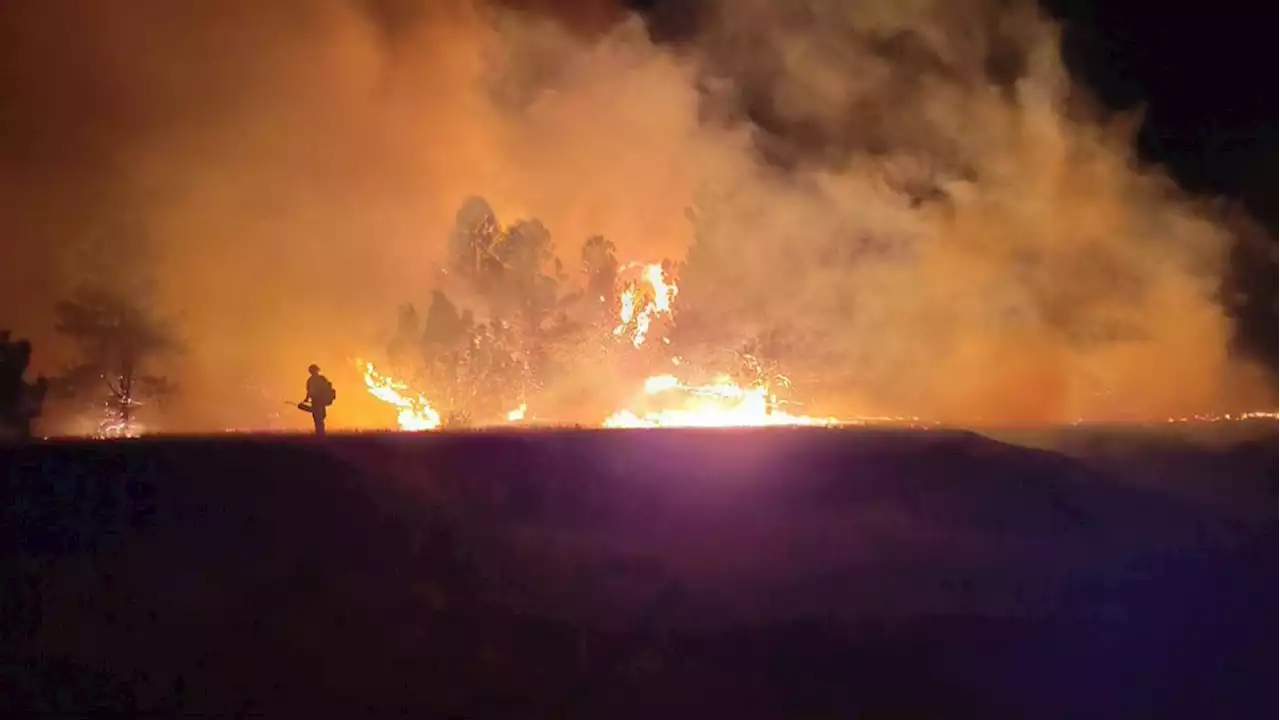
<point x="730" y="573"/>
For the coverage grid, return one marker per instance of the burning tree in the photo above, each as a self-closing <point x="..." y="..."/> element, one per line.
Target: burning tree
<point x="472" y="244"/>
<point x="469" y="367"/>
<point x="118" y="342"/>
<point x="514" y="279"/>
<point x="465" y="363"/>
<point x="600" y="266"/>
<point x="528" y="298"/>
<point x="111" y="320"/>
<point x="527" y="332"/>
<point x="480" y="368"/>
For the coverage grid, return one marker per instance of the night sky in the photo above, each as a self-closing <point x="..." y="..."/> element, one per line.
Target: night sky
<point x="1210" y="116"/>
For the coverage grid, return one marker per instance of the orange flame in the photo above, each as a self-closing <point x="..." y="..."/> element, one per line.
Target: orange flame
<point x="723" y="403"/>
<point x="643" y="300"/>
<point x="416" y="413"/>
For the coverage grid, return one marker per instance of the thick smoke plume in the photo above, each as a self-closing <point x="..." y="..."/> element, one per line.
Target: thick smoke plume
<point x="913" y="193"/>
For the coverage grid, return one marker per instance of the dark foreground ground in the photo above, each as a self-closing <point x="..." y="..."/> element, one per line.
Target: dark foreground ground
<point x="736" y="574"/>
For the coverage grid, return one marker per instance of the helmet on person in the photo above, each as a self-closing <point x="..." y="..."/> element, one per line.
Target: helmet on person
<point x="313" y="368"/>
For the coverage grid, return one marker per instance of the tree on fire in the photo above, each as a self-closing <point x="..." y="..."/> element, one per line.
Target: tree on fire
<point x="119" y="342"/>
<point x="537" y="328"/>
<point x="593" y="308"/>
<point x="407" y="336"/>
<point x="111" y="320"/>
<point x="476" y="369"/>
<point x="516" y="277"/>
<point x="551" y="340"/>
<point x="471" y="245"/>
<point x="725" y="319"/>
<point x="600" y="265"/>
<point x="464" y="362"/>
<point x="526" y="292"/>
<point x="469" y="367"/>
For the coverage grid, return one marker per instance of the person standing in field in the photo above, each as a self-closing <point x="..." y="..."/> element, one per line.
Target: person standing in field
<point x="320" y="395"/>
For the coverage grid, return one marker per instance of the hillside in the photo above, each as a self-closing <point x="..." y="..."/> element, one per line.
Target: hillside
<point x="800" y="573"/>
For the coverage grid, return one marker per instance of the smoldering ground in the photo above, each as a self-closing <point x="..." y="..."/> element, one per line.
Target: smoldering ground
<point x="911" y="197"/>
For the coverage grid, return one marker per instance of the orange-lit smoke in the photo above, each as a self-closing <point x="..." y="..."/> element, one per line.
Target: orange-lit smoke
<point x="924" y="219"/>
<point x="957" y="239"/>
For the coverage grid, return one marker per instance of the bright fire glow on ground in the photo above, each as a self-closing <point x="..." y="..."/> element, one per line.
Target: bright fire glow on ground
<point x="668" y="401"/>
<point x="112" y="428"/>
<point x="720" y="404"/>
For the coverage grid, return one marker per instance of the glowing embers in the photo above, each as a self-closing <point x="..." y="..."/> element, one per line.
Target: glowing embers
<point x="1227" y="417"/>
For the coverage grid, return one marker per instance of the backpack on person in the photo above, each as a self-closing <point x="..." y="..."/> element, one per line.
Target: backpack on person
<point x="328" y="394"/>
